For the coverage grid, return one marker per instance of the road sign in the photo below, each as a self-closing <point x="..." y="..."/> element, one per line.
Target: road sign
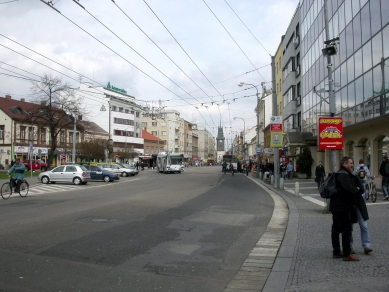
<point x="31" y="147"/>
<point x="275" y="127"/>
<point x="331" y="133"/>
<point x="116" y="155"/>
<point x="276" y="120"/>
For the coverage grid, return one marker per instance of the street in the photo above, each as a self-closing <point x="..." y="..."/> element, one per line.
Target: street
<point x="152" y="232"/>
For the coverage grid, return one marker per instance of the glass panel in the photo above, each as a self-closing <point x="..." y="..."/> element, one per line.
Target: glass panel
<point x="363" y="2"/>
<point x="377" y="48"/>
<point x="365" y="19"/>
<point x="338" y="103"/>
<point x="377" y="80"/>
<point x="358" y="63"/>
<point x="350" y="69"/>
<point x="343" y="76"/>
<point x="385" y="35"/>
<point x="385" y="12"/>
<point x="357" y="31"/>
<point x="351" y="95"/>
<point x="348" y="11"/>
<point x="341" y="18"/>
<point x="367" y="85"/>
<point x="359" y="90"/>
<point x="386" y="67"/>
<point x="367" y="61"/>
<point x="375" y="16"/>
<point x="336" y="76"/>
<point x="349" y="36"/>
<point x="343" y="93"/>
<point x="342" y="47"/>
<point x="336" y="24"/>
<point x="355" y="7"/>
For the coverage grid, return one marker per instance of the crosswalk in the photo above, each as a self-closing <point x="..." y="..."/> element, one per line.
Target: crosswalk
<point x="47" y="189"/>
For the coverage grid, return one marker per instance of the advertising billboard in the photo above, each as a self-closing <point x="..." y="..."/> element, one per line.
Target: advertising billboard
<point x="330" y="133"/>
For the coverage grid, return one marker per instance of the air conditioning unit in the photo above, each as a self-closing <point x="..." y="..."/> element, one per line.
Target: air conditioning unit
<point x="297" y="70"/>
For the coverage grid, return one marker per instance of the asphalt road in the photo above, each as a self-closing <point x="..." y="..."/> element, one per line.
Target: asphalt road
<point x="152" y="232"/>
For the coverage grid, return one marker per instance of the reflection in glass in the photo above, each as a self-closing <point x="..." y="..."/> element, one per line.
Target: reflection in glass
<point x="377" y="48"/>
<point x="343" y="72"/>
<point x="375" y="16"/>
<point x="357" y="31"/>
<point x="367" y="62"/>
<point x="367" y="85"/>
<point x="385" y="12"/>
<point x="350" y="69"/>
<point x="358" y="63"/>
<point x="349" y="35"/>
<point x="377" y="80"/>
<point x="365" y="20"/>
<point x="359" y="90"/>
<point x="351" y="95"/>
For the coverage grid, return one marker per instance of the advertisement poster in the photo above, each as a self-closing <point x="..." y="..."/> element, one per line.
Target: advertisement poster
<point x="331" y="135"/>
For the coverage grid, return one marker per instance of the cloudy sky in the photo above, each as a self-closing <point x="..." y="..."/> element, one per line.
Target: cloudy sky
<point x="190" y="54"/>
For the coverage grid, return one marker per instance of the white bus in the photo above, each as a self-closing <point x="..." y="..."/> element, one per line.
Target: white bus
<point x="170" y="162"/>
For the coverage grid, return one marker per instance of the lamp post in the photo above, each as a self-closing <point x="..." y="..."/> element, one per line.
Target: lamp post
<point x="244" y="140"/>
<point x="258" y="99"/>
<point x="74" y="137"/>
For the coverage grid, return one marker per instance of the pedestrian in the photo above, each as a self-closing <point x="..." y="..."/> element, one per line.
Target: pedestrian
<point x="320" y="173"/>
<point x="289" y="169"/>
<point x="362" y="171"/>
<point x="362" y="217"/>
<point x="343" y="210"/>
<point x="247" y="169"/>
<point x="384" y="171"/>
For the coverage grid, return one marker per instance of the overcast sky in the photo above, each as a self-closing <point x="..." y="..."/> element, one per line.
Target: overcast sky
<point x="222" y="48"/>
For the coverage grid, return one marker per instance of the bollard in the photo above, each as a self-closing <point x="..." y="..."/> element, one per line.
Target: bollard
<point x="272" y="180"/>
<point x="281" y="183"/>
<point x="297" y="189"/>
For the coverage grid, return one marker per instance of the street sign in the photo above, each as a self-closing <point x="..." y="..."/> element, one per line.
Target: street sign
<point x="331" y="133"/>
<point x="276" y="139"/>
<point x="275" y="127"/>
<point x="259" y="150"/>
<point x="276" y="120"/>
<point x="31" y="147"/>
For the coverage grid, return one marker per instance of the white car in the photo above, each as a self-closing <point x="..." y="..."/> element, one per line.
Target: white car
<point x="117" y="168"/>
<point x="76" y="174"/>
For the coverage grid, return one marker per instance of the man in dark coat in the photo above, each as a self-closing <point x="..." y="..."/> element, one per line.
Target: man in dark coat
<point x="319" y="174"/>
<point x="342" y="207"/>
<point x="385" y="177"/>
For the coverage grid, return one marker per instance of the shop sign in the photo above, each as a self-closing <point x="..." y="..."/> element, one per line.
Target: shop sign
<point x="331" y="136"/>
<point x="109" y="86"/>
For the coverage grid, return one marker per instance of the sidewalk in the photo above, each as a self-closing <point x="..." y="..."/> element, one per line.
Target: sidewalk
<point x="304" y="260"/>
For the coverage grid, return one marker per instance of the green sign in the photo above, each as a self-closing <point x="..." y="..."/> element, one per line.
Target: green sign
<point x="109" y="86"/>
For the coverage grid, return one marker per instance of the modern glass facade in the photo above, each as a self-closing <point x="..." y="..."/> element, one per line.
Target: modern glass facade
<point x="360" y="68"/>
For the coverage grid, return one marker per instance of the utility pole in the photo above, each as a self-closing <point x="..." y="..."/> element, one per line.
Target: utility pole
<point x="275" y="113"/>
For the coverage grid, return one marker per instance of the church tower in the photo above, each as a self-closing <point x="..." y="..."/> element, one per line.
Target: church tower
<point x="220" y="139"/>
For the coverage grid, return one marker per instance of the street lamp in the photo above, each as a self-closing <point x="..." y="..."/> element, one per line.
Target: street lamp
<point x="244" y="140"/>
<point x="258" y="99"/>
<point x="74" y="137"/>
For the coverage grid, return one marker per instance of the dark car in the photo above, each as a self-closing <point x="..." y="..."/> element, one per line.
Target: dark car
<point x="99" y="173"/>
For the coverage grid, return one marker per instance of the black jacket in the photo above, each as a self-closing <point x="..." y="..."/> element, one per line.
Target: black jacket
<point x="319" y="173"/>
<point x="382" y="168"/>
<point x="359" y="200"/>
<point x="345" y="200"/>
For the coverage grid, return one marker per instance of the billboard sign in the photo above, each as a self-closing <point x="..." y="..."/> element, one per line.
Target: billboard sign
<point x="331" y="135"/>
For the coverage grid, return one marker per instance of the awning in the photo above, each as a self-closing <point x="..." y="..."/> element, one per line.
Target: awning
<point x="145" y="157"/>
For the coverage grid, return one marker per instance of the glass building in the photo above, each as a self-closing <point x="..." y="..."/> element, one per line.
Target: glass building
<point x="360" y="74"/>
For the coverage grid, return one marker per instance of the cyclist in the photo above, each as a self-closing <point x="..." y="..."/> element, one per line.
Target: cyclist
<point x="231" y="168"/>
<point x="18" y="168"/>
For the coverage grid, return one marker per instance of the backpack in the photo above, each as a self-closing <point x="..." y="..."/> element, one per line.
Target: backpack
<point x="361" y="173"/>
<point x="328" y="189"/>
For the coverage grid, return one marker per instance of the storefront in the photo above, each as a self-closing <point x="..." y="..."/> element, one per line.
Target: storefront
<point x="22" y="152"/>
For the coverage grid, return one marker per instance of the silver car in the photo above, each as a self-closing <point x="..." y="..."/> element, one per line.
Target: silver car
<point x="76" y="174"/>
<point x="133" y="169"/>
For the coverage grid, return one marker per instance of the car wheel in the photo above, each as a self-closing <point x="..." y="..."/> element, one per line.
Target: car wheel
<point x="45" y="179"/>
<point x="106" y="178"/>
<point x="43" y="169"/>
<point x="124" y="174"/>
<point x="77" y="181"/>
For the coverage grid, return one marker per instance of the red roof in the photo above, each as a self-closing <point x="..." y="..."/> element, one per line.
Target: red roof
<point x="148" y="137"/>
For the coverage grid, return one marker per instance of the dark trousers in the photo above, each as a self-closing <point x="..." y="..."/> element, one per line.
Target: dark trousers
<point x="341" y="224"/>
<point x="16" y="183"/>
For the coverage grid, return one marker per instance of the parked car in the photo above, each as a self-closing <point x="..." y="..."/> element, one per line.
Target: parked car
<point x="116" y="168"/>
<point x="35" y="164"/>
<point x="132" y="168"/>
<point x="99" y="173"/>
<point x="76" y="174"/>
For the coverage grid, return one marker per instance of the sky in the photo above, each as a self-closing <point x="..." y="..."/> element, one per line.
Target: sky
<point x="189" y="54"/>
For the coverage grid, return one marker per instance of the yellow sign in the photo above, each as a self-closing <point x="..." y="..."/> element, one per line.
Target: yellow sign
<point x="276" y="139"/>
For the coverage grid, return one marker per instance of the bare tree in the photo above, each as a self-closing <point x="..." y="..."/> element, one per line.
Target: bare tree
<point x="55" y="106"/>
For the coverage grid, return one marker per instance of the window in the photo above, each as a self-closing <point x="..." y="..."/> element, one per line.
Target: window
<point x="123" y="121"/>
<point x="288" y="96"/>
<point x="22" y="133"/>
<point x="114" y="108"/>
<point x="163" y="124"/>
<point x="59" y="169"/>
<point x="127" y="111"/>
<point x="144" y="124"/>
<point x="70" y="168"/>
<point x="154" y="133"/>
<point x="120" y="109"/>
<point x="2" y="132"/>
<point x="154" y="124"/>
<point x="43" y="135"/>
<point x="137" y="114"/>
<point x="164" y="133"/>
<point x="62" y="137"/>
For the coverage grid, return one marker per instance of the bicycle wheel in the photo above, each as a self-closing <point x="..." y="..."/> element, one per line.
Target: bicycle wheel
<point x="367" y="192"/>
<point x="6" y="190"/>
<point x="373" y="194"/>
<point x="24" y="187"/>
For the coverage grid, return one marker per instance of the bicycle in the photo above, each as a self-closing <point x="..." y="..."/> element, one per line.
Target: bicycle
<point x="370" y="189"/>
<point x="6" y="189"/>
